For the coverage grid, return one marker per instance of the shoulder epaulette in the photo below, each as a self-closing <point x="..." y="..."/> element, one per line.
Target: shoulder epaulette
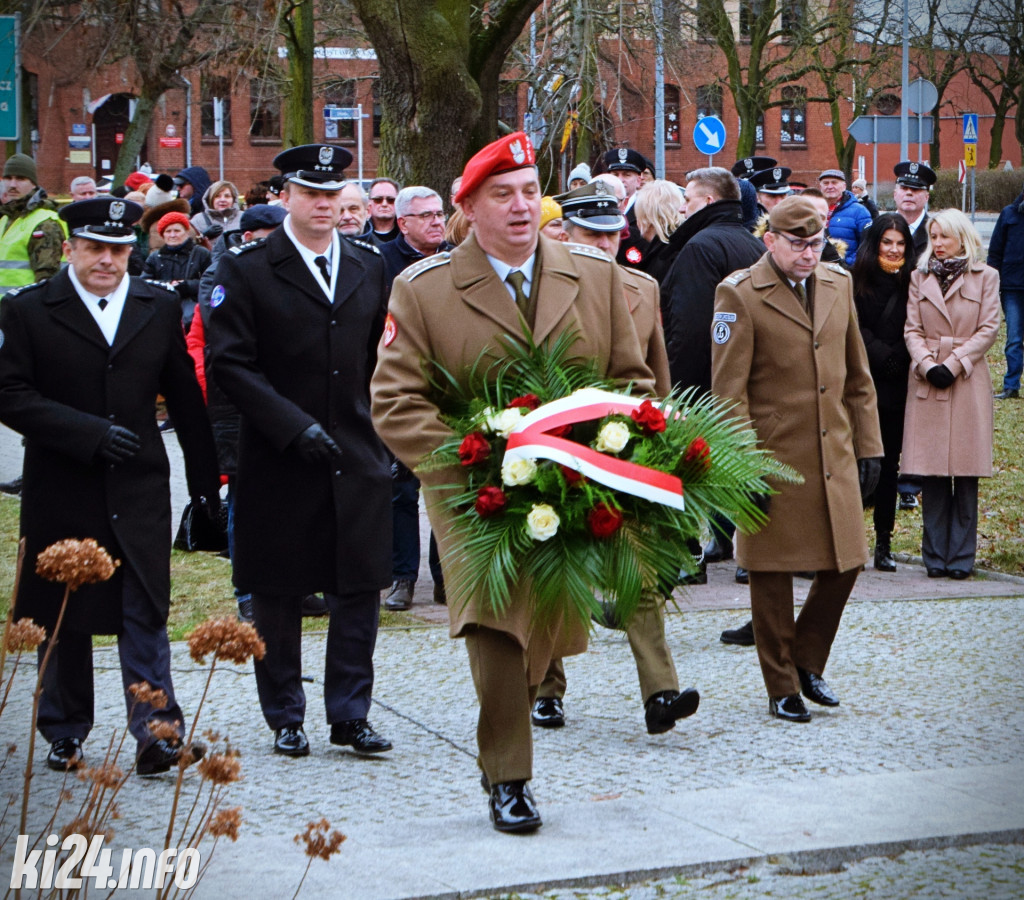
<point x="835" y="267"/>
<point x="166" y="285"/>
<point x="422" y="265"/>
<point x="737" y="277"/>
<point x="365" y="245"/>
<point x="247" y="246"/>
<point x="13" y="292"/>
<point x="586" y="250"/>
<point x="642" y="275"/>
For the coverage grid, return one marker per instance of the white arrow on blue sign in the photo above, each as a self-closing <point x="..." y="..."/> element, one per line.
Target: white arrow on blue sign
<point x="709" y="135"/>
<point x="970" y="128"/>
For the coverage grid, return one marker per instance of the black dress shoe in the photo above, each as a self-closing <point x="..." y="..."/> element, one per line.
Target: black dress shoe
<point x="360" y="736"/>
<point x="908" y="500"/>
<point x="548" y="712"/>
<point x="291" y="741"/>
<point x="816" y="689"/>
<point x="717" y="550"/>
<point x="665" y="708"/>
<point x="936" y="572"/>
<point x="440" y="594"/>
<point x="790" y="709"/>
<point x="65" y="754"/>
<point x="960" y="574"/>
<point x="512" y="808"/>
<point x="159" y="756"/>
<point x="883" y="557"/>
<point x="1002" y="395"/>
<point x="742" y="575"/>
<point x="698" y="576"/>
<point x="11" y="487"/>
<point x="314" y="605"/>
<point x="741" y="637"/>
<point x="245" y="610"/>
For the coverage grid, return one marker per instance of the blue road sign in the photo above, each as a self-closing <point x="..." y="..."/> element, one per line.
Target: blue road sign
<point x="970" y="128"/>
<point x="709" y="135"/>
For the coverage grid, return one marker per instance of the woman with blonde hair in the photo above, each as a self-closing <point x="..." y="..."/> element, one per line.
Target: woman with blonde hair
<point x="952" y="320"/>
<point x="658" y="208"/>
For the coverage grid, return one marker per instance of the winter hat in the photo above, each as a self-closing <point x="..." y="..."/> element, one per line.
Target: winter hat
<point x="549" y="210"/>
<point x="581" y="171"/>
<point x="163" y="192"/>
<point x="134" y="181"/>
<point x="21" y="166"/>
<point x="173" y="218"/>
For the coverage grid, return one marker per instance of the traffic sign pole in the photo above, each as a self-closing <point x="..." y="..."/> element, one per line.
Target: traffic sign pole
<point x="971" y="152"/>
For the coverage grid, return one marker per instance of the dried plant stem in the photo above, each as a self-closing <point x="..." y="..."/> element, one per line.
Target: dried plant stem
<point x="36" y="695"/>
<point x="10" y="619"/>
<point x="302" y="880"/>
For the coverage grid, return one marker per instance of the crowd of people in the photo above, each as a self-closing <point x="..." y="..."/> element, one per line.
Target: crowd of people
<point x="287" y="330"/>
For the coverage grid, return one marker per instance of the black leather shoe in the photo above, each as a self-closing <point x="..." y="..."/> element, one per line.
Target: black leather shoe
<point x="936" y="572"/>
<point x="790" y="709"/>
<point x="512" y="808"/>
<point x="65" y="754"/>
<point x="717" y="550"/>
<point x="665" y="708"/>
<point x="159" y="756"/>
<point x="960" y="574"/>
<point x="1002" y="395"/>
<point x="245" y="610"/>
<point x="883" y="557"/>
<point x="548" y="712"/>
<point x="440" y="594"/>
<point x="314" y="606"/>
<point x="291" y="741"/>
<point x="741" y="637"/>
<point x="698" y="576"/>
<point x="11" y="487"/>
<point x="908" y="500"/>
<point x="360" y="736"/>
<point x="816" y="689"/>
<point x="401" y="595"/>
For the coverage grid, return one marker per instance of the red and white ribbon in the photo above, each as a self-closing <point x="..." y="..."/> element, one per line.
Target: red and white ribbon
<point x="531" y="439"/>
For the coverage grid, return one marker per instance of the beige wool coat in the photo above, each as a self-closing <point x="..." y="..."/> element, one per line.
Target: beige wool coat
<point x="448" y="309"/>
<point x="949" y="431"/>
<point x="643" y="299"/>
<point x="806" y="388"/>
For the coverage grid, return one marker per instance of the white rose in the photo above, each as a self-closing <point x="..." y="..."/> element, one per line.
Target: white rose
<point x="542" y="522"/>
<point x="504" y="421"/>
<point x="518" y="471"/>
<point x="612" y="438"/>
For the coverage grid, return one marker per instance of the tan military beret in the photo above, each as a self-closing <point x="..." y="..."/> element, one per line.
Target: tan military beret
<point x="796" y="216"/>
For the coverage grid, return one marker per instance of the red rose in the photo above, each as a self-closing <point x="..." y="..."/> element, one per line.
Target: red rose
<point x="604" y="520"/>
<point x="489" y="500"/>
<point x="474" y="449"/>
<point x="648" y="418"/>
<point x="527" y="401"/>
<point x="698" y="452"/>
<point x="572" y="476"/>
<point x="562" y="431"/>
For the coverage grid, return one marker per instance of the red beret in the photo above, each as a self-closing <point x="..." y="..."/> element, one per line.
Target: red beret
<point x="173" y="218"/>
<point x="514" y="151"/>
<point x="134" y="181"/>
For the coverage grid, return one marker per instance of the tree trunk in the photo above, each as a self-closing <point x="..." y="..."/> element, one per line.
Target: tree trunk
<point x="135" y="133"/>
<point x="298" y="29"/>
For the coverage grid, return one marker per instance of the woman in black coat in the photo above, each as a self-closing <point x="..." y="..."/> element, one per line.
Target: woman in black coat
<point x="881" y="283"/>
<point x="180" y="262"/>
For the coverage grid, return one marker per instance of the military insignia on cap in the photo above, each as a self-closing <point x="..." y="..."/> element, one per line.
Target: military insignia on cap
<point x="116" y="211"/>
<point x="601" y="189"/>
<point x="777" y="174"/>
<point x="623" y="153"/>
<point x="326" y="156"/>
<point x="517" y="151"/>
<point x="390" y="330"/>
<point x="913" y="168"/>
<point x="749" y="164"/>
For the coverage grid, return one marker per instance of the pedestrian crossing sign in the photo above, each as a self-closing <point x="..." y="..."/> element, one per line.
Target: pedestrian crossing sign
<point x="970" y="128"/>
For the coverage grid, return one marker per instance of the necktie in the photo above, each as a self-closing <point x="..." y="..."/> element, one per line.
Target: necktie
<point x="321" y="262"/>
<point x="801" y="293"/>
<point x="517" y="280"/>
<point x="103" y="303"/>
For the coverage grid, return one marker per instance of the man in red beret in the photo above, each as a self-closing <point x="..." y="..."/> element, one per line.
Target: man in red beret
<point x="450" y="309"/>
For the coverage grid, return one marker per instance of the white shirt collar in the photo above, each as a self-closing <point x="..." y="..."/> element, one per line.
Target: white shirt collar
<point x="503" y="268"/>
<point x="917" y="222"/>
<point x="108" y="318"/>
<point x="309" y="257"/>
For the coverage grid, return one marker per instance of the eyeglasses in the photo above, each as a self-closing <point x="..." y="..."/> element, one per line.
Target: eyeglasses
<point x="799" y="246"/>
<point x="383" y="199"/>
<point x="426" y="216"/>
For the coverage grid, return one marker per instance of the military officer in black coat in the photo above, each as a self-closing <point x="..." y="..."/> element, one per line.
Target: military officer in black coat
<point x="82" y="360"/>
<point x="914" y="182"/>
<point x="293" y="335"/>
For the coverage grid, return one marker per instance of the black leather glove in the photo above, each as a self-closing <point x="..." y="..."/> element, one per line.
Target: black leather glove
<point x="118" y="445"/>
<point x="869" y="470"/>
<point x="213" y="232"/>
<point x="316" y="445"/>
<point x="761" y="501"/>
<point x="940" y="376"/>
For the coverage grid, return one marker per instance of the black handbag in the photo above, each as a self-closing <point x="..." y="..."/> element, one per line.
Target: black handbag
<point x="197" y="532"/>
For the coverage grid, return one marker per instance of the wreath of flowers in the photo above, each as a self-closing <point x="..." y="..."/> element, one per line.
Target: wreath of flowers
<point x="556" y="524"/>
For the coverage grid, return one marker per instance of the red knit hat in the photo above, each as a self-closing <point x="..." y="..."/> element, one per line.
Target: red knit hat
<point x="173" y="218"/>
<point x="134" y="181"/>
<point x="514" y="151"/>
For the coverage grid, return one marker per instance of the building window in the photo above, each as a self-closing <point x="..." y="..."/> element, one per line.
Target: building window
<point x="210" y="87"/>
<point x="759" y="130"/>
<point x="709" y="100"/>
<point x="342" y="94"/>
<point x="264" y="109"/>
<point x="508" y="104"/>
<point x="791" y="18"/>
<point x="671" y="123"/>
<point x="750" y="12"/>
<point x="376" y="109"/>
<point x="794" y="116"/>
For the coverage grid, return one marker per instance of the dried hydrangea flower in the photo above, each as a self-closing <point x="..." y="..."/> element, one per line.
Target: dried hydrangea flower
<point x="226" y="822"/>
<point x="24" y="636"/>
<point x="163" y="730"/>
<point x="227" y="639"/>
<point x="74" y="563"/>
<point x="107" y="776"/>
<point x="319" y="843"/>
<point x="144" y="692"/>
<point x="221" y="768"/>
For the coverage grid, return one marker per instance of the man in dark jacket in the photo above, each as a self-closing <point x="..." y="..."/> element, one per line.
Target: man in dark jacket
<point x="192" y="182"/>
<point x="83" y="358"/>
<point x="1006" y="256"/>
<point x="293" y="339"/>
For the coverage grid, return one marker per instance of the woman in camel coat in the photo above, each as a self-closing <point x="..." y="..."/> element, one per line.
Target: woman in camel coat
<point x="952" y="320"/>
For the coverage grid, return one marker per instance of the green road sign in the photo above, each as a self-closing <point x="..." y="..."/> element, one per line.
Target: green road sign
<point x="10" y="78"/>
